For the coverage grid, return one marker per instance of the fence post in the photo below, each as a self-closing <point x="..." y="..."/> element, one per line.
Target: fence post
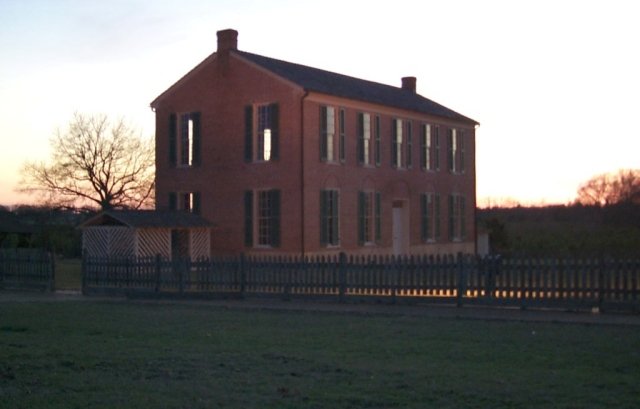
<point x="158" y="272"/>
<point x="83" y="272"/>
<point x="603" y="265"/>
<point x="462" y="277"/>
<point x="242" y="273"/>
<point x="342" y="275"/>
<point x="52" y="272"/>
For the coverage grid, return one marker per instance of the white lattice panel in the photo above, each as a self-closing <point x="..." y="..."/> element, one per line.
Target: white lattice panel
<point x="107" y="241"/>
<point x="120" y="241"/>
<point x="200" y="243"/>
<point x="152" y="242"/>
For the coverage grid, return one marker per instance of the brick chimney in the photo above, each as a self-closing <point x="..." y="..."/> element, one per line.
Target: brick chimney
<point x="227" y="40"/>
<point x="409" y="84"/>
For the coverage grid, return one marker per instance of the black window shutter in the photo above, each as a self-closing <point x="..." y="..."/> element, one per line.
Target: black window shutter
<point x="173" y="130"/>
<point x="275" y="131"/>
<point x="324" y="228"/>
<point x="423" y="147"/>
<point x="323" y="133"/>
<point x="195" y="117"/>
<point x="394" y="143"/>
<point x="461" y="150"/>
<point x="335" y="239"/>
<point x="436" y="217"/>
<point x="248" y="133"/>
<point x="248" y="218"/>
<point x="436" y="143"/>
<point x="450" y="160"/>
<point x="360" y="132"/>
<point x="452" y="223"/>
<point x="342" y="147"/>
<point x="377" y="142"/>
<point x="275" y="218"/>
<point x="361" y="211"/>
<point x="463" y="227"/>
<point x="409" y="144"/>
<point x="424" y="225"/>
<point x="196" y="203"/>
<point x="378" y="210"/>
<point x="173" y="201"/>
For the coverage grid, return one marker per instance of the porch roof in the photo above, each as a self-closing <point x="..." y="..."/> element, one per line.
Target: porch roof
<point x="147" y="218"/>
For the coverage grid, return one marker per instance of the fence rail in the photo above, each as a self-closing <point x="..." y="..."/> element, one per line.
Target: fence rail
<point x="27" y="269"/>
<point x="524" y="282"/>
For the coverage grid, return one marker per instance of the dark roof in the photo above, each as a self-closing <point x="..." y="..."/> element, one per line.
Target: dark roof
<point x="326" y="82"/>
<point x="146" y="218"/>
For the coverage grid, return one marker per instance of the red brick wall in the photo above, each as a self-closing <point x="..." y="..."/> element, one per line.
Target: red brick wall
<point x="221" y="87"/>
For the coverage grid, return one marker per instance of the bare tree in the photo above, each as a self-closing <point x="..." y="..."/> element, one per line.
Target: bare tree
<point x="95" y="162"/>
<point x="611" y="188"/>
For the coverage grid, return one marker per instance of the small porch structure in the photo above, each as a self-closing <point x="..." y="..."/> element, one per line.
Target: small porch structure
<point x="146" y="233"/>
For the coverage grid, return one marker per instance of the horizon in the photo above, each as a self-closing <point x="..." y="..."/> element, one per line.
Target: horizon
<point x="553" y="85"/>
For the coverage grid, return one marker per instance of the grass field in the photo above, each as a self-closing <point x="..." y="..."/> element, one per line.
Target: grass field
<point x="95" y="354"/>
<point x="68" y="274"/>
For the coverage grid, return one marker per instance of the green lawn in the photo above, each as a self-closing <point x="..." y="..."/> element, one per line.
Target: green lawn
<point x="68" y="274"/>
<point x="95" y="354"/>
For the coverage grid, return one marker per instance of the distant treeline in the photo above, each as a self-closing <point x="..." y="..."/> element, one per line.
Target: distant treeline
<point x="42" y="227"/>
<point x="564" y="231"/>
<point x="550" y="231"/>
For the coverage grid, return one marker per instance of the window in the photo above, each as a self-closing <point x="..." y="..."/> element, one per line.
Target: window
<point x="396" y="143"/>
<point x="457" y="221"/>
<point x="369" y="217"/>
<point x="187" y="201"/>
<point x="377" y="141"/>
<point x="327" y="133"/>
<point x="261" y="131"/>
<point x="342" y="136"/>
<point x="184" y="139"/>
<point x="263" y="206"/>
<point x="329" y="218"/>
<point x="430" y="220"/>
<point x="456" y="154"/>
<point x="364" y="138"/>
<point x="430" y="148"/>
<point x="409" y="159"/>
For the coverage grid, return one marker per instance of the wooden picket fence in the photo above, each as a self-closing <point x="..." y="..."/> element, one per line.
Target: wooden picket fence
<point x="525" y="282"/>
<point x="32" y="269"/>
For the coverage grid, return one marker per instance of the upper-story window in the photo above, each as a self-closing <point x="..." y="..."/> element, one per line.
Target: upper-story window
<point x="430" y="147"/>
<point x="364" y="138"/>
<point x="396" y="143"/>
<point x="341" y="128"/>
<point x="409" y="138"/>
<point x="376" y="149"/>
<point x="185" y="201"/>
<point x="184" y="139"/>
<point x="456" y="152"/>
<point x="327" y="133"/>
<point x="261" y="132"/>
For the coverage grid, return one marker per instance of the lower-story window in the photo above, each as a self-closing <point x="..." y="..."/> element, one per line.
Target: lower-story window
<point x="369" y="217"/>
<point x="457" y="222"/>
<point x="430" y="217"/>
<point x="262" y="218"/>
<point x="329" y="218"/>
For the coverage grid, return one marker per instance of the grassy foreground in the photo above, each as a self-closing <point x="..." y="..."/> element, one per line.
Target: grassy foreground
<point x="147" y="355"/>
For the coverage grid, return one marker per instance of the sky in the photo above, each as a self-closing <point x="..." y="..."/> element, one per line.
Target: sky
<point x="555" y="84"/>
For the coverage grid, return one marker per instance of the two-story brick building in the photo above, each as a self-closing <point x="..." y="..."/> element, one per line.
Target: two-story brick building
<point x="286" y="158"/>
